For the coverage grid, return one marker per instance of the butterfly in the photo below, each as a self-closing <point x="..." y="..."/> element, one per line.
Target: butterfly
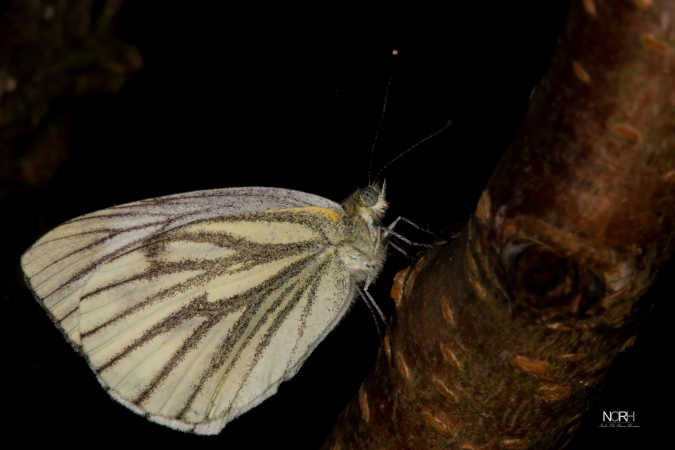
<point x="192" y="308"/>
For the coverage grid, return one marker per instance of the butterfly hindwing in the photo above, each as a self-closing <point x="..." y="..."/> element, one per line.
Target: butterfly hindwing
<point x="192" y="308"/>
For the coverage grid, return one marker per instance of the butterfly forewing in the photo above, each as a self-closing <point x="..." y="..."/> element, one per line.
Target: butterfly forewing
<point x="192" y="308"/>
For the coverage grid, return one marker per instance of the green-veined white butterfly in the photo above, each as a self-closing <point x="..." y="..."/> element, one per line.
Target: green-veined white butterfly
<point x="193" y="308"/>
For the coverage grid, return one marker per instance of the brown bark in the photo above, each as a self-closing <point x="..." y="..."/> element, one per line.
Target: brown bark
<point x="500" y="337"/>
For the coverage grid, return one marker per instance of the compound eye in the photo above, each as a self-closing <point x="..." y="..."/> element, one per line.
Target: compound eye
<point x="370" y="195"/>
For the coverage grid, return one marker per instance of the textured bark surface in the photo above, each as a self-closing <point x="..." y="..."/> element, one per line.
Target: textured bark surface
<point x="500" y="337"/>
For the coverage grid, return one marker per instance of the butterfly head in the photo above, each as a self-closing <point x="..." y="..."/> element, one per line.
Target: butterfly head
<point x="364" y="248"/>
<point x="371" y="201"/>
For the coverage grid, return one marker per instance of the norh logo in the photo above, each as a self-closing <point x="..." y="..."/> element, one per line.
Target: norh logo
<point x="619" y="419"/>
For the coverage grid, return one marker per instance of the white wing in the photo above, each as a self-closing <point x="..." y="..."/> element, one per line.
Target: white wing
<point x="58" y="265"/>
<point x="192" y="308"/>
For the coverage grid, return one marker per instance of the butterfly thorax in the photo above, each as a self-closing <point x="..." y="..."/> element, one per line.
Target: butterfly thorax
<point x="363" y="251"/>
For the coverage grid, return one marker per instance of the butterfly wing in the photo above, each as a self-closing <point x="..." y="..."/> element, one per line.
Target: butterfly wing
<point x="192" y="308"/>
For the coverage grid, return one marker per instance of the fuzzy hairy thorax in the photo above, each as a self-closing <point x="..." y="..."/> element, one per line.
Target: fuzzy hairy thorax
<point x="364" y="249"/>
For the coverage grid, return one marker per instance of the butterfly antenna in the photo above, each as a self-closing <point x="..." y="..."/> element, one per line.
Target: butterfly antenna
<point x="380" y="123"/>
<point x="413" y="147"/>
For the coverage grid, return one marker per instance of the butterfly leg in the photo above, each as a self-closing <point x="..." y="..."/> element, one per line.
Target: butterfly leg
<point x="392" y="225"/>
<point x="399" y="249"/>
<point x="375" y="310"/>
<point x="389" y="230"/>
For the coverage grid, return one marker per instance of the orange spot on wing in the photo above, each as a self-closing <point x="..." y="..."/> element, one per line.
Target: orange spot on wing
<point x="328" y="213"/>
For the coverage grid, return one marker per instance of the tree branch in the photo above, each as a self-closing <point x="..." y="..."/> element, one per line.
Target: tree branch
<point x="500" y="338"/>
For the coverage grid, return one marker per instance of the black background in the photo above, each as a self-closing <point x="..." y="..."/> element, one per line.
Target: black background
<point x="292" y="97"/>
